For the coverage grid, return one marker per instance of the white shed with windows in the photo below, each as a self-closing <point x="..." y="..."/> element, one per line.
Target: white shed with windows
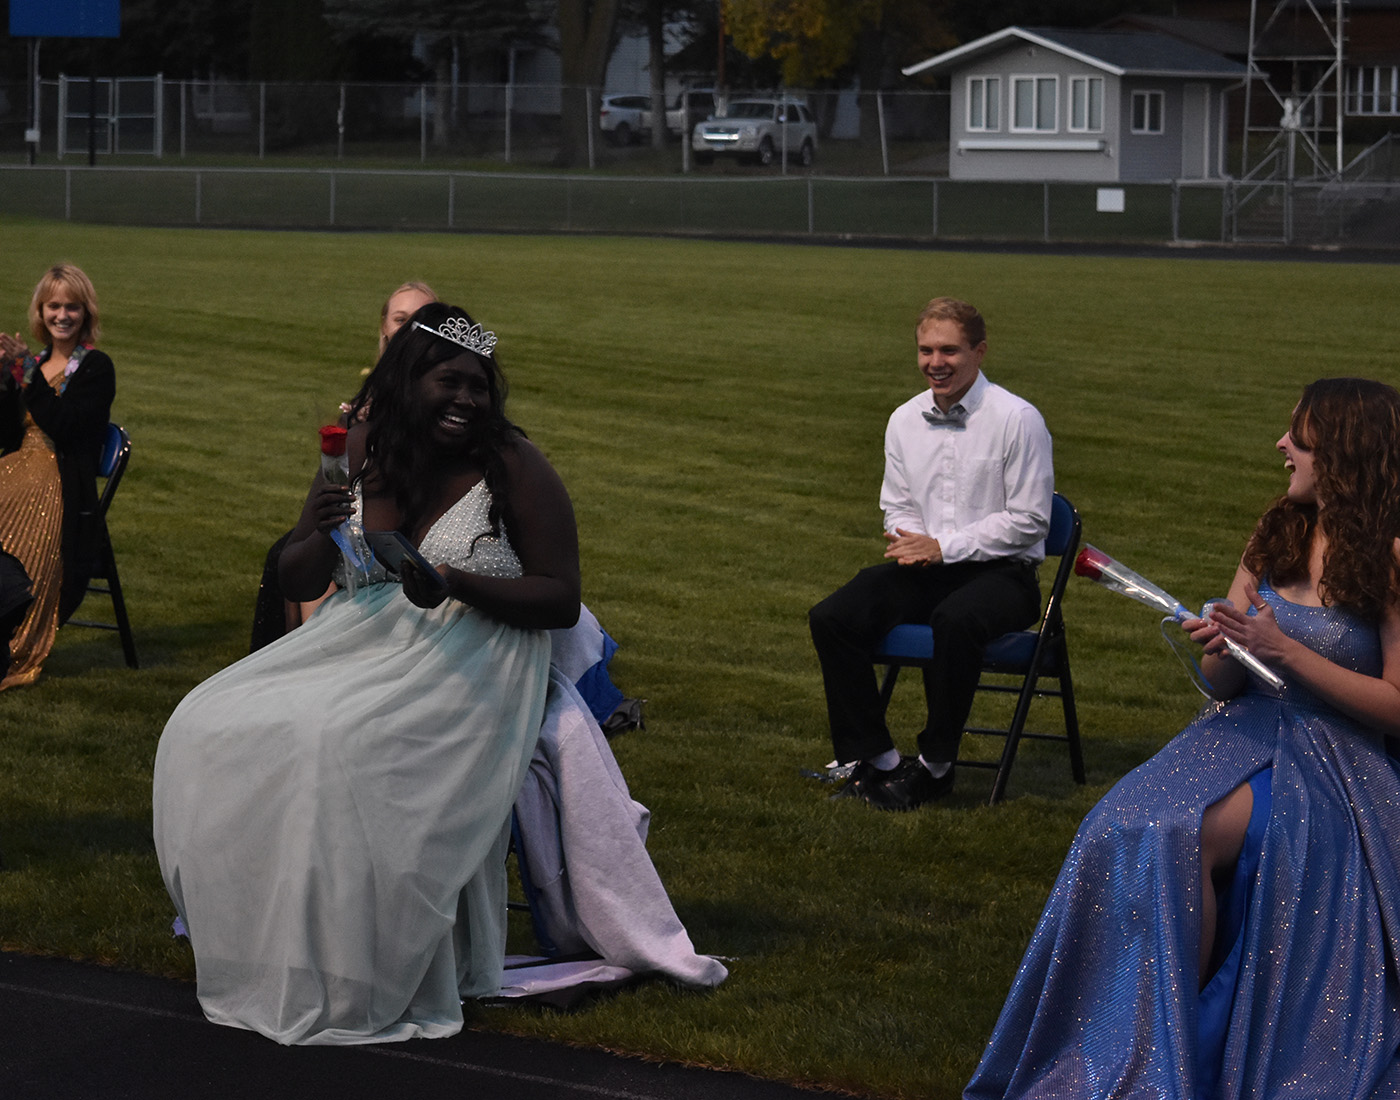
<point x="1096" y="106"/>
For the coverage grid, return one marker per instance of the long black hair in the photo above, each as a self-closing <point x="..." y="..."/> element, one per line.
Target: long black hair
<point x="388" y="402"/>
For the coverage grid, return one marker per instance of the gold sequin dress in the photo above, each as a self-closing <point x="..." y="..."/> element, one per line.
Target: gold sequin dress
<point x="31" y="528"/>
<point x="332" y="812"/>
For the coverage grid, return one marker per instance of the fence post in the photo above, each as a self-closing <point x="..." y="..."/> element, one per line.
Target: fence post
<point x="510" y="104"/>
<point x="783" y="123"/>
<point x="159" y="123"/>
<point x="685" y="130"/>
<point x="884" y="145"/>
<point x="262" y="119"/>
<point x="588" y="118"/>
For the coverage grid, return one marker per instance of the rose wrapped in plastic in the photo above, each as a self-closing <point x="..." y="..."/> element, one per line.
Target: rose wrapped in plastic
<point x="335" y="468"/>
<point x="1111" y="573"/>
<point x="335" y="465"/>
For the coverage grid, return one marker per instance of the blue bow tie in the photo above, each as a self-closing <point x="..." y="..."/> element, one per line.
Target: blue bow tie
<point x="956" y="417"/>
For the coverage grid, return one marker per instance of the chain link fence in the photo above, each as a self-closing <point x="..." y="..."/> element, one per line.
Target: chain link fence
<point x="873" y="207"/>
<point x="202" y="154"/>
<point x="508" y="124"/>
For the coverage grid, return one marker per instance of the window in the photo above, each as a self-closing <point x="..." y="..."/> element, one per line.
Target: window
<point x="984" y="103"/>
<point x="1034" y="103"/>
<point x="1086" y="104"/>
<point x="1374" y="90"/>
<point x="1148" y="109"/>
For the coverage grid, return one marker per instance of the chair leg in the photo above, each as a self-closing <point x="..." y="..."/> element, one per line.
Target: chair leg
<point x="1013" y="738"/>
<point x="123" y="623"/>
<point x="1076" y="755"/>
<point x="114" y="589"/>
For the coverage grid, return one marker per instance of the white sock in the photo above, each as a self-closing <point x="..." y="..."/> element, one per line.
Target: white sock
<point x="938" y="771"/>
<point x="886" y="761"/>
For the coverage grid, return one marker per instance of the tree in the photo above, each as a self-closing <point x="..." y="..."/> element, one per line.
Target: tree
<point x="189" y="39"/>
<point x="815" y="40"/>
<point x="810" y="39"/>
<point x="289" y="40"/>
<point x="585" y="44"/>
<point x="659" y="20"/>
<point x="448" y="27"/>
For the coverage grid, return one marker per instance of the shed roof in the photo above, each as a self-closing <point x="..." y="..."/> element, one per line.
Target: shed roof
<point x="1122" y="53"/>
<point x="1227" y="39"/>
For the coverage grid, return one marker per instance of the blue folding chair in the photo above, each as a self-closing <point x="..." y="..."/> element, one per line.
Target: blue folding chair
<point x="1028" y="655"/>
<point x="116" y="452"/>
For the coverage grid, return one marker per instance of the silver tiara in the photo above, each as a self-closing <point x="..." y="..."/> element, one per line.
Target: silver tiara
<point x="472" y="337"/>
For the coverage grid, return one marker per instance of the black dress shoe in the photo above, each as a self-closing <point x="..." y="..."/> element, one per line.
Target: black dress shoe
<point x="862" y="777"/>
<point x="908" y="787"/>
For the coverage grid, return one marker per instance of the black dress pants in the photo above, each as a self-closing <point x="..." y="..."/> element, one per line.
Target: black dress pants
<point x="968" y="605"/>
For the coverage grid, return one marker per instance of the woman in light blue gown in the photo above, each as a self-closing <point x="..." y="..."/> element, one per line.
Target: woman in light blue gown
<point x="1227" y="922"/>
<point x="332" y="812"/>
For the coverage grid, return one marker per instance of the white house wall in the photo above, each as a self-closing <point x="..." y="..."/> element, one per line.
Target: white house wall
<point x="1152" y="156"/>
<point x="966" y="160"/>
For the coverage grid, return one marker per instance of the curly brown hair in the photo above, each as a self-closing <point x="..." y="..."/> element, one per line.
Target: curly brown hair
<point x="1352" y="427"/>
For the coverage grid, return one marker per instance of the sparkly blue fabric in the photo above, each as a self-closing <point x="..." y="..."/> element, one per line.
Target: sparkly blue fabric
<point x="1105" y="1003"/>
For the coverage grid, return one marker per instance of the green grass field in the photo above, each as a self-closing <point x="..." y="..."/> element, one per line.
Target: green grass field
<point x="716" y="411"/>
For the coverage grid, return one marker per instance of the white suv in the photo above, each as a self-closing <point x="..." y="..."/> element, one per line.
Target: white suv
<point x="760" y="130"/>
<point x="690" y="107"/>
<point x="625" y="118"/>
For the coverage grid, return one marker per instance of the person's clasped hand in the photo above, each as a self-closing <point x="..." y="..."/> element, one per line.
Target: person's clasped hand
<point x="912" y="548"/>
<point x="422" y="591"/>
<point x="1259" y="633"/>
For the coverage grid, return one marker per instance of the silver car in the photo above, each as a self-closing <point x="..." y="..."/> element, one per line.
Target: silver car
<point x="759" y="130"/>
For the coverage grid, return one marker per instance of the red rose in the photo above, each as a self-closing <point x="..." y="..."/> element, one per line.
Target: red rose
<point x="333" y="440"/>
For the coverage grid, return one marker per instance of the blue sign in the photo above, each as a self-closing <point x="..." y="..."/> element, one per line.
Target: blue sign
<point x="65" y="18"/>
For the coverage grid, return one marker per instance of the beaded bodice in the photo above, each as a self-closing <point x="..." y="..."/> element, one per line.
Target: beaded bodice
<point x="453" y="538"/>
<point x="460" y="538"/>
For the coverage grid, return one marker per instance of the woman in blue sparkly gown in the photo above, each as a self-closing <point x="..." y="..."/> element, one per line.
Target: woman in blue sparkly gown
<point x="1227" y="921"/>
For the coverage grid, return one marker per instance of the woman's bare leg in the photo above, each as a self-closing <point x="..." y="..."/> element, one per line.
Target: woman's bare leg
<point x="1222" y="837"/>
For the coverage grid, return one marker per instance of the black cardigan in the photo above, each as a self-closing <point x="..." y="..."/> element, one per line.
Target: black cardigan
<point x="76" y="421"/>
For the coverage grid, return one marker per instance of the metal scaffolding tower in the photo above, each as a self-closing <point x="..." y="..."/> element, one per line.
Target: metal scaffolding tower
<point x="1297" y="65"/>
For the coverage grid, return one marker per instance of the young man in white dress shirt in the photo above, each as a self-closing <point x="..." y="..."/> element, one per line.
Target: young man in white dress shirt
<point x="966" y="496"/>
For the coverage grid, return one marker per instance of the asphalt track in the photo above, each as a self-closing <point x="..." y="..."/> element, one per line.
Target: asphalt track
<point x="73" y="1031"/>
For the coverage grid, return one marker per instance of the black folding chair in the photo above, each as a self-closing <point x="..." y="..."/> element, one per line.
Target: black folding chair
<point x="116" y="452"/>
<point x="1027" y="655"/>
